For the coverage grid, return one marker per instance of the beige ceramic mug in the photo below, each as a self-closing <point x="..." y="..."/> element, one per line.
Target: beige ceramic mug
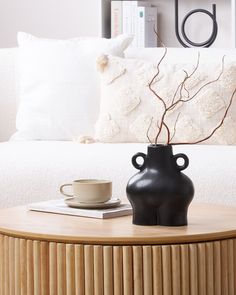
<point x="89" y="190"/>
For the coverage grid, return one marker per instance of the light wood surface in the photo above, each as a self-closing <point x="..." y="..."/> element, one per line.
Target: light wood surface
<point x="151" y="270"/>
<point x="206" y="223"/>
<point x="194" y="260"/>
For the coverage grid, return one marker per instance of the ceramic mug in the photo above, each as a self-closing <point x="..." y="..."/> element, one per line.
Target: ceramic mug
<point x="89" y="190"/>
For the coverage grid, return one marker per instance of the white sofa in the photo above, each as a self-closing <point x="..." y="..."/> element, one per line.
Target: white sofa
<point x="33" y="170"/>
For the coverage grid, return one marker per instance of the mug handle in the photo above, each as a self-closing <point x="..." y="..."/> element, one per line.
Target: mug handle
<point x="62" y="191"/>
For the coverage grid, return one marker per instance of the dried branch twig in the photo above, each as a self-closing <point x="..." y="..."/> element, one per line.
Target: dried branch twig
<point x="175" y="127"/>
<point x="147" y="134"/>
<point x="213" y="81"/>
<point x="168" y="132"/>
<point x="179" y="92"/>
<point x="187" y="76"/>
<point x="201" y="88"/>
<point x="216" y="128"/>
<point x="155" y="76"/>
<point x="154" y="92"/>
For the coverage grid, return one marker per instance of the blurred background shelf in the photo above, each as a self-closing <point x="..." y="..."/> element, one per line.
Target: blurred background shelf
<point x="199" y="26"/>
<point x="72" y="18"/>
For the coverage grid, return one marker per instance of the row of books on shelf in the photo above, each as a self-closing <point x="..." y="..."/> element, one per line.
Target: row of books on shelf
<point x="136" y="18"/>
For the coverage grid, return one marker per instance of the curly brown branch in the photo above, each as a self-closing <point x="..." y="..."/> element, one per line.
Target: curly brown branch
<point x="154" y="78"/>
<point x="179" y="92"/>
<point x="147" y="134"/>
<point x="187" y="76"/>
<point x="161" y="59"/>
<point x="183" y="84"/>
<point x="171" y="107"/>
<point x="155" y="93"/>
<point x="172" y="137"/>
<point x="168" y="132"/>
<point x="160" y="127"/>
<point x="180" y="88"/>
<point x="210" y="82"/>
<point x="158" y="37"/>
<point x="216" y="128"/>
<point x="188" y="93"/>
<point x="196" y="66"/>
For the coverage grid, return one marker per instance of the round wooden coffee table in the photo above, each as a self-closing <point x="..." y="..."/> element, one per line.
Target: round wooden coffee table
<point x="44" y="253"/>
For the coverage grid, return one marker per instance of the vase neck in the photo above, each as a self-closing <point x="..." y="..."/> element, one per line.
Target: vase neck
<point x="160" y="156"/>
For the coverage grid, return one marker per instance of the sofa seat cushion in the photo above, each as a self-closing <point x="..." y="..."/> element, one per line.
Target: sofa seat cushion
<point x="33" y="171"/>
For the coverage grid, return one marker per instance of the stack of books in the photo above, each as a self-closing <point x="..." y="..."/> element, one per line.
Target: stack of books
<point x="137" y="18"/>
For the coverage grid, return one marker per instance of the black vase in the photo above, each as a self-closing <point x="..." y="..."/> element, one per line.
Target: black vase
<point x="160" y="193"/>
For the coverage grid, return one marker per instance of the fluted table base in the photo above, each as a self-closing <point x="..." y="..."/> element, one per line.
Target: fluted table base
<point x="34" y="267"/>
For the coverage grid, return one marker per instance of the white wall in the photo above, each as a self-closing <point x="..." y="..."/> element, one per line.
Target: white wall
<point x="70" y="18"/>
<point x="49" y="18"/>
<point x="233" y="21"/>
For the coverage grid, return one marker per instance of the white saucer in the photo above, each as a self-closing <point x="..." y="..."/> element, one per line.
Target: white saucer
<point x="75" y="204"/>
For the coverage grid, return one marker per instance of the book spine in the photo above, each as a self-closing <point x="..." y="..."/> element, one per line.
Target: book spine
<point x="147" y="21"/>
<point x="134" y="21"/>
<point x="127" y="18"/>
<point x="140" y="27"/>
<point x="125" y="212"/>
<point x="116" y="18"/>
<point x="150" y="24"/>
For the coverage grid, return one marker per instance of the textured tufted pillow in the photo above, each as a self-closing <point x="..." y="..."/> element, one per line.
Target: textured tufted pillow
<point x="129" y="109"/>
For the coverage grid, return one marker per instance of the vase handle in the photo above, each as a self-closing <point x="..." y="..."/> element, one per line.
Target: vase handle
<point x="186" y="161"/>
<point x="134" y="161"/>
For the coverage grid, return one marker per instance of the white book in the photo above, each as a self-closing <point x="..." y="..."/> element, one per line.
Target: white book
<point x="147" y="21"/>
<point x="116" y="18"/>
<point x="127" y="15"/>
<point x="59" y="207"/>
<point x="134" y="20"/>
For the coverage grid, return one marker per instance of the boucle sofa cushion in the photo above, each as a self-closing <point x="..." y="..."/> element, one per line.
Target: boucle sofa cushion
<point x="129" y="109"/>
<point x="33" y="171"/>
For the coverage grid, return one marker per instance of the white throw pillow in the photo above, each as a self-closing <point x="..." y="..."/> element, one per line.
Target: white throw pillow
<point x="129" y="108"/>
<point x="59" y="85"/>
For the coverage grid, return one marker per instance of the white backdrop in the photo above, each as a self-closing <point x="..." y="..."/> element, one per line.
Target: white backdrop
<point x="49" y="18"/>
<point x="69" y="18"/>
